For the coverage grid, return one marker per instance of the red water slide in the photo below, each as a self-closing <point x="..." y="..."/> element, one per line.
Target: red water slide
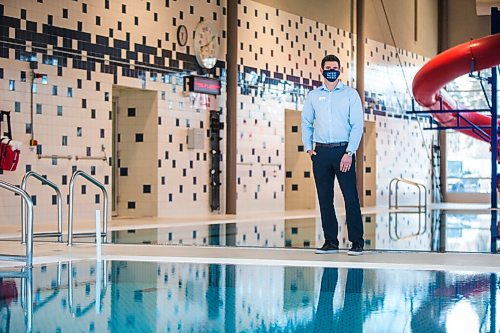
<point x="482" y="53"/>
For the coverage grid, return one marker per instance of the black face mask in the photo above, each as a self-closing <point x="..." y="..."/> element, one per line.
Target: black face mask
<point x="331" y="74"/>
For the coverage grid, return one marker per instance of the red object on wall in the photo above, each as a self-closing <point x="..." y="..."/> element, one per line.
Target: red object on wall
<point x="9" y="157"/>
<point x="483" y="53"/>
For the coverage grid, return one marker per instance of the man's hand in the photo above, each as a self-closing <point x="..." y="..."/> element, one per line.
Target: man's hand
<point x="345" y="163"/>
<point x="311" y="152"/>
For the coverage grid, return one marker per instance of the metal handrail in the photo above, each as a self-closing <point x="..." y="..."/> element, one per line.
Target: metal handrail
<point x="29" y="243"/>
<point x="95" y="158"/>
<point x="92" y="180"/>
<point x="67" y="157"/>
<point x="419" y="186"/>
<point x="44" y="181"/>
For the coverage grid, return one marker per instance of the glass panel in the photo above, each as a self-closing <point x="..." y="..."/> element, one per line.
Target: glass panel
<point x="468" y="164"/>
<point x="468" y="159"/>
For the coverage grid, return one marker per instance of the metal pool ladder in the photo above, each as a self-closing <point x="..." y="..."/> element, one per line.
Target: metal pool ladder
<point x="44" y="181"/>
<point x="29" y="234"/>
<point x="95" y="182"/>
<point x="419" y="186"/>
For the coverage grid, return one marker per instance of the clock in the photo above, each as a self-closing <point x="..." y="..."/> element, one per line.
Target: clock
<point x="206" y="44"/>
<point x="182" y="35"/>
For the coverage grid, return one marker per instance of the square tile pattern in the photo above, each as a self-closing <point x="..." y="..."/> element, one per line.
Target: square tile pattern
<point x="93" y="53"/>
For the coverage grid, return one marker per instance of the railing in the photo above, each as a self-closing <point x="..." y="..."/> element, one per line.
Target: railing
<point x="92" y="180"/>
<point x="419" y="186"/>
<point x="44" y="181"/>
<point x="94" y="158"/>
<point x="29" y="234"/>
<point x="64" y="157"/>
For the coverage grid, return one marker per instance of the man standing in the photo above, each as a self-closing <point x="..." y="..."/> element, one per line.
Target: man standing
<point x="332" y="118"/>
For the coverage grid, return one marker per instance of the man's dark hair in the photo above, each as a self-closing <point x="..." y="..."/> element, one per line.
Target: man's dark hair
<point x="329" y="57"/>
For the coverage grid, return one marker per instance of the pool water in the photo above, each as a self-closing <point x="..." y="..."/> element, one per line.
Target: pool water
<point x="123" y="296"/>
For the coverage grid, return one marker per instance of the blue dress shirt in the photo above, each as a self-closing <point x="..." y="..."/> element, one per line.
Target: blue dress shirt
<point x="332" y="116"/>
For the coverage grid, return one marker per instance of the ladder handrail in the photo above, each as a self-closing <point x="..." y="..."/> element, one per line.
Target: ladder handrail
<point x="71" y="203"/>
<point x="44" y="181"/>
<point x="29" y="243"/>
<point x="409" y="182"/>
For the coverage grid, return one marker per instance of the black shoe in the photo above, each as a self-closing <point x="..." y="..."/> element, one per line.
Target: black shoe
<point x="355" y="250"/>
<point x="328" y="248"/>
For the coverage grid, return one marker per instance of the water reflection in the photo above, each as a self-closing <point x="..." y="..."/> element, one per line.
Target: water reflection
<point x="347" y="317"/>
<point x="153" y="297"/>
<point x="432" y="230"/>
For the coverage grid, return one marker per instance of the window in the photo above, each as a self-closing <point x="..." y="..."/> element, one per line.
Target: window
<point x="468" y="167"/>
<point x="468" y="160"/>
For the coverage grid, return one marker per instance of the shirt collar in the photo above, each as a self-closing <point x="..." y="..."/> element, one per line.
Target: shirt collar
<point x="340" y="86"/>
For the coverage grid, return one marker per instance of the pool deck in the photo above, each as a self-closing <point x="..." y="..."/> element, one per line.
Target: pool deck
<point x="56" y="252"/>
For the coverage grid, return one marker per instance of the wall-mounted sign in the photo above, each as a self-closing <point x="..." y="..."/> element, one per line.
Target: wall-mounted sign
<point x="203" y="85"/>
<point x="182" y="35"/>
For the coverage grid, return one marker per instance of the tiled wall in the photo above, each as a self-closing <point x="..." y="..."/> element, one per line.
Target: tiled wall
<point x="276" y="78"/>
<point x="70" y="120"/>
<point x="89" y="50"/>
<point x="403" y="147"/>
<point x="403" y="151"/>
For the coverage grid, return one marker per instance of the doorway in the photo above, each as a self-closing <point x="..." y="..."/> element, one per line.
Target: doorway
<point x="300" y="190"/>
<point x="135" y="152"/>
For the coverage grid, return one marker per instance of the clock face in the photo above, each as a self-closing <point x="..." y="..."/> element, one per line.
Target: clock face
<point x="206" y="44"/>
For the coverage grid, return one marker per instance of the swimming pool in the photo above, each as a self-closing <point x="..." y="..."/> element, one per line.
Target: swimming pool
<point x="126" y="296"/>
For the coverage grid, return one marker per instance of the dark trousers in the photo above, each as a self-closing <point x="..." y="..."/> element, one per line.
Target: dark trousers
<point x="326" y="166"/>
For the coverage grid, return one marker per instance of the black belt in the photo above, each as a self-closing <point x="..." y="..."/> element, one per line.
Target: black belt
<point x="331" y="145"/>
